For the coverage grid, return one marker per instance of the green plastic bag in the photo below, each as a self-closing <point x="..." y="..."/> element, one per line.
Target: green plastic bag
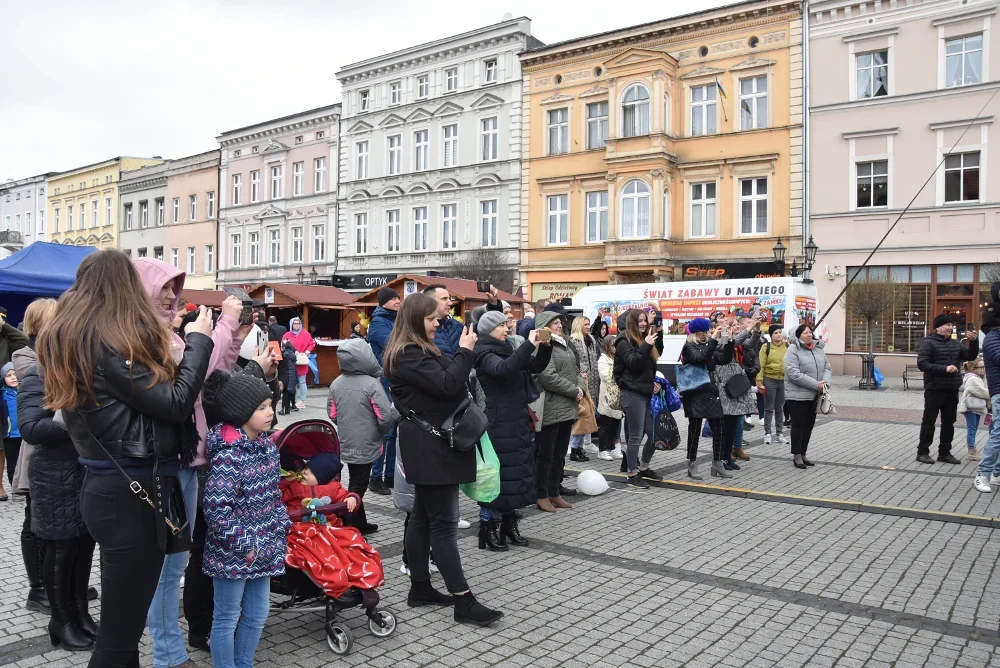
<point x="487" y="485"/>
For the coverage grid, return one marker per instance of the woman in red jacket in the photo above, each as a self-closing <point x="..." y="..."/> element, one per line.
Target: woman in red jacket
<point x="304" y="343"/>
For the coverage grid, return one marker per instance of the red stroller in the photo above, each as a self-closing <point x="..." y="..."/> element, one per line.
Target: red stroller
<point x="298" y="592"/>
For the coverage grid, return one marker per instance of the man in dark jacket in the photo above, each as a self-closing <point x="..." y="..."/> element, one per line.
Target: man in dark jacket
<point x="379" y="330"/>
<point x="449" y="330"/>
<point x="275" y="332"/>
<point x="11" y="338"/>
<point x="525" y="325"/>
<point x="940" y="357"/>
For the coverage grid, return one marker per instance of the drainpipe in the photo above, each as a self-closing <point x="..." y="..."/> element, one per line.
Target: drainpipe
<point x="805" y="126"/>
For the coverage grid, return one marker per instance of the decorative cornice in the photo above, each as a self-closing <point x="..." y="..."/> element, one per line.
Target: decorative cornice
<point x="857" y="37"/>
<point x="880" y="132"/>
<point x="597" y="90"/>
<point x="556" y="99"/>
<point x="290" y="127"/>
<point x="125" y="187"/>
<point x="947" y="125"/>
<point x="979" y="12"/>
<point x="703" y="71"/>
<point x="752" y="62"/>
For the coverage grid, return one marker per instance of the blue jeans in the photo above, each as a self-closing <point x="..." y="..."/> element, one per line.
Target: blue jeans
<point x="241" y="608"/>
<point x="761" y="404"/>
<point x="737" y="436"/>
<point x="314" y="367"/>
<point x="385" y="464"/>
<point x="301" y="391"/>
<point x="576" y="442"/>
<point x="988" y="464"/>
<point x="971" y="427"/>
<point x="163" y="617"/>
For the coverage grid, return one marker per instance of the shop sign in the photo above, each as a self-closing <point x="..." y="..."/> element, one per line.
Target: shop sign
<point x="410" y="288"/>
<point x="361" y="281"/>
<point x="721" y="270"/>
<point x="556" y="291"/>
<point x="268" y="295"/>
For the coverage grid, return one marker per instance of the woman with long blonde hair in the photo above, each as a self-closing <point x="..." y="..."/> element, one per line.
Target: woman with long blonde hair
<point x="587" y="353"/>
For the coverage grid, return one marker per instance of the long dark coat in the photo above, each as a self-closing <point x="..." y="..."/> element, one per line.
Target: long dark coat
<point x="502" y="373"/>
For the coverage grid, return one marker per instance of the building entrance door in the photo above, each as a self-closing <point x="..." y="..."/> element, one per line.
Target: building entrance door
<point x="960" y="311"/>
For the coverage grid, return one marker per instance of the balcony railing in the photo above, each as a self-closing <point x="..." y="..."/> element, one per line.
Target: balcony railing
<point x="11" y="240"/>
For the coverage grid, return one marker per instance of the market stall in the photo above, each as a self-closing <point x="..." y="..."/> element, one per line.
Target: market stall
<point x="41" y="269"/>
<point x="210" y="298"/>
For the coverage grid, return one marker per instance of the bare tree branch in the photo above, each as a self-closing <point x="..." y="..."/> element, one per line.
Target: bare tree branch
<point x="875" y="299"/>
<point x="989" y="274"/>
<point x="484" y="264"/>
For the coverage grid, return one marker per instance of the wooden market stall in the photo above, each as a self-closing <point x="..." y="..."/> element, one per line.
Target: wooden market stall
<point x="211" y="298"/>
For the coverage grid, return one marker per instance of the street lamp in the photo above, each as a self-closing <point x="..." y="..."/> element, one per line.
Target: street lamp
<point x="313" y="276"/>
<point x="780" y="252"/>
<point x="301" y="276"/>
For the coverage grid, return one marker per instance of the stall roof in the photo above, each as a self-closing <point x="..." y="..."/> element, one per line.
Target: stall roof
<point x="212" y="298"/>
<point x="312" y="295"/>
<point x="459" y="287"/>
<point x="42" y="269"/>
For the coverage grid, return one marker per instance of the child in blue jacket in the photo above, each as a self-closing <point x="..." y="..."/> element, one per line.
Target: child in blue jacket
<point x="11" y="435"/>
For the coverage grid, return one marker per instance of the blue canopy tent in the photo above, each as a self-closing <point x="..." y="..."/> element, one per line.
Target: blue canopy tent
<point x="40" y="270"/>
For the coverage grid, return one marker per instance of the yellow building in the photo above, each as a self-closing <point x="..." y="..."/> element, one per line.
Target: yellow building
<point x="663" y="150"/>
<point x="83" y="202"/>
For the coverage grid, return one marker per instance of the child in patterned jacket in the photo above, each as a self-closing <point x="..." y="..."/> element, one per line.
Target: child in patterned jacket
<point x="247" y="523"/>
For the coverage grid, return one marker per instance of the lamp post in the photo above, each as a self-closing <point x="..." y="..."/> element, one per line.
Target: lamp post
<point x="301" y="276"/>
<point x="808" y="261"/>
<point x="313" y="276"/>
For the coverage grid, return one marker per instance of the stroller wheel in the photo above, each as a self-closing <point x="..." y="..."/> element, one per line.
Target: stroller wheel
<point x="387" y="626"/>
<point x="339" y="638"/>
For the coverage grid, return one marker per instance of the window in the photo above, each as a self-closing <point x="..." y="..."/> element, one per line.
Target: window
<point x="177" y="209"/>
<point x="235" y="250"/>
<point x="237" y="153"/>
<point x="83" y="215"/>
<point x="635" y="210"/>
<point x="274" y="246"/>
<point x="253" y="243"/>
<point x="41" y="221"/>
<point x="361" y="160"/>
<point x="27" y="223"/>
<point x="93" y="213"/>
<point x="298" y="243"/>
<point x="873" y="74"/>
<point x="255" y="186"/>
<point x="17" y="222"/>
<point x="209" y="259"/>
<point x="360" y="233"/>
<point x="192" y="207"/>
<point x="753" y="206"/>
<point x="277" y="191"/>
<point x="420" y="150"/>
<point x="175" y="257"/>
<point x="320" y="134"/>
<point x="702" y="210"/>
<point x="395" y="92"/>
<point x="558" y="223"/>
<point x="449" y="227"/>
<point x="210" y="205"/>
<point x="597" y="216"/>
<point x="597" y="124"/>
<point x="420" y="228"/>
<point x="450" y="145"/>
<point x="320" y="175"/>
<point x="489" y="215"/>
<point x="190" y="260"/>
<point x="69" y="218"/>
<point x="107" y="210"/>
<point x="491" y="139"/>
<point x="158" y="253"/>
<point x="422" y="86"/>
<point x="363" y="99"/>
<point x="395" y="144"/>
<point x="319" y="243"/>
<point x="55" y="219"/>
<point x="963" y="61"/>
<point x="392" y="231"/>
<point x="635" y="111"/>
<point x="143" y="214"/>
<point x="255" y="150"/>
<point x="159" y="212"/>
<point x="451" y="79"/>
<point x="558" y="131"/>
<point x="237" y="189"/>
<point x="873" y="184"/>
<point x="490" y="70"/>
<point x="298" y="140"/>
<point x="907" y="326"/>
<point x="703" y="110"/>
<point x="6" y="220"/>
<point x="961" y="177"/>
<point x="298" y="175"/>
<point x="753" y="103"/>
<point x="141" y="252"/>
<point x="128" y="217"/>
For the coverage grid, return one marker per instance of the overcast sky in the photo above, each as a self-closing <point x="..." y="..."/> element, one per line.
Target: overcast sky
<point x="86" y="81"/>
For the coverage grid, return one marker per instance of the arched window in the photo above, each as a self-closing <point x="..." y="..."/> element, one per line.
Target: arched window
<point x="635" y="210"/>
<point x="635" y="111"/>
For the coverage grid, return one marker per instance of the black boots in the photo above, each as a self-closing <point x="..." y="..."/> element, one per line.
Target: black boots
<point x="64" y="630"/>
<point x="422" y="593"/>
<point x="33" y="552"/>
<point x="488" y="537"/>
<point x="470" y="611"/>
<point x="81" y="579"/>
<point x="510" y="533"/>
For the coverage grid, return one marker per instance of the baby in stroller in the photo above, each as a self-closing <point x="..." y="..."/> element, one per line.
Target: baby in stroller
<point x="315" y="480"/>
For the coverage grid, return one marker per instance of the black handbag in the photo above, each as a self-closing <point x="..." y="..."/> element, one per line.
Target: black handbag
<point x="462" y="429"/>
<point x="737" y="386"/>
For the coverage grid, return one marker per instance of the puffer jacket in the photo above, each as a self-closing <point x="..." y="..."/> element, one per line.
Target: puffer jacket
<point x="447" y="336"/>
<point x="991" y="355"/>
<point x="936" y="353"/>
<point x="358" y="405"/>
<point x="804" y="369"/>
<point x="561" y="379"/>
<point x="247" y="524"/>
<point x="973" y="386"/>
<point x="746" y="403"/>
<point x="588" y="353"/>
<point x="704" y="402"/>
<point x="605" y="368"/>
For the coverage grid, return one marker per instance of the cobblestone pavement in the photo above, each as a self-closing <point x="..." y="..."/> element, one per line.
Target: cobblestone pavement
<point x="667" y="577"/>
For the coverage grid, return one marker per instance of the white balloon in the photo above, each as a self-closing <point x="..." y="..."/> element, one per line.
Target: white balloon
<point x="591" y="483"/>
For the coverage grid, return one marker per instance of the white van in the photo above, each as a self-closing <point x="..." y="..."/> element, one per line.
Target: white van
<point x="785" y="301"/>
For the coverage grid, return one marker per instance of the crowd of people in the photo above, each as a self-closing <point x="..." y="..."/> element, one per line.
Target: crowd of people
<point x="147" y="431"/>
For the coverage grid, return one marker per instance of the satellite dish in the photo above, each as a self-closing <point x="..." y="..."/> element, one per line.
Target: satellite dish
<point x="508" y="17"/>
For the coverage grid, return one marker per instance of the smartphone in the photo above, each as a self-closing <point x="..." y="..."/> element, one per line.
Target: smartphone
<point x="483" y="286"/>
<point x="544" y="335"/>
<point x="246" y="315"/>
<point x="756" y="310"/>
<point x="467" y="318"/>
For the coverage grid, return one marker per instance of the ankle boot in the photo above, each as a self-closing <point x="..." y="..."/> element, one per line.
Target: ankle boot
<point x="545" y="506"/>
<point x="422" y="593"/>
<point x="81" y="579"/>
<point x="719" y="470"/>
<point x="488" y="537"/>
<point x="33" y="552"/>
<point x="740" y="453"/>
<point x="63" y="629"/>
<point x="510" y="532"/>
<point x="797" y="460"/>
<point x="470" y="611"/>
<point x="560" y="502"/>
<point x="693" y="470"/>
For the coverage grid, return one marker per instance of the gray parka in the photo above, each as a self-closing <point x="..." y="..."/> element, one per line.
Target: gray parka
<point x="804" y="369"/>
<point x="358" y="405"/>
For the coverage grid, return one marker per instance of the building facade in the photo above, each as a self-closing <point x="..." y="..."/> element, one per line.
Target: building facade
<point x="142" y="213"/>
<point x="82" y="207"/>
<point x="906" y="96"/>
<point x="193" y="217"/>
<point x="278" y="198"/>
<point x="430" y="155"/>
<point x="22" y="213"/>
<point x="653" y="149"/>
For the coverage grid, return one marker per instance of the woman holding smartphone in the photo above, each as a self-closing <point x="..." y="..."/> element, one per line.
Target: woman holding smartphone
<point x="636" y="351"/>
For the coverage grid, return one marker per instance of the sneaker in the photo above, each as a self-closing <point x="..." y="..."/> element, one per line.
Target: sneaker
<point x="767" y="439"/>
<point x="760" y="421"/>
<point x="637" y="481"/>
<point x="300" y="404"/>
<point x="925" y="459"/>
<point x="948" y="459"/>
<point x="591" y="448"/>
<point x="377" y="485"/>
<point x="994" y="479"/>
<point x="974" y="455"/>
<point x="788" y="422"/>
<point x="748" y="421"/>
<point x="982" y="484"/>
<point x="404" y="569"/>
<point x="616" y="454"/>
<point x="783" y="439"/>
<point x="650" y="474"/>
<point x="462" y="524"/>
<point x="605" y="455"/>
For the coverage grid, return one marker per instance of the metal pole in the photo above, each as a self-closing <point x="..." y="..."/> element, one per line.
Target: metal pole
<point x="805" y="130"/>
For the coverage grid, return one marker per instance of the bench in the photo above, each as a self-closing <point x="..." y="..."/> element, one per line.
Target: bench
<point x="912" y="372"/>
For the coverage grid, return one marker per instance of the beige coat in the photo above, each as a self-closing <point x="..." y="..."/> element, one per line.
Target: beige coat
<point x="23" y="359"/>
<point x="606" y="367"/>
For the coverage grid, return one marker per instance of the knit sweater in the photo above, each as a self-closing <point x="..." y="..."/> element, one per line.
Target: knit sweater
<point x="247" y="522"/>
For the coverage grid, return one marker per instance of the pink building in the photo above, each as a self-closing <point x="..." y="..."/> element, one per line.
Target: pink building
<point x="192" y="218"/>
<point x="899" y="92"/>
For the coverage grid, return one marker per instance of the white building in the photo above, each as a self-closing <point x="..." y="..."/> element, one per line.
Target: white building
<point x="278" y="198"/>
<point x="22" y="213"/>
<point x="431" y="149"/>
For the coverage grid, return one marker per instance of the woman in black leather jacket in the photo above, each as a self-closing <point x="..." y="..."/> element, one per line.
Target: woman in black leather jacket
<point x="107" y="365"/>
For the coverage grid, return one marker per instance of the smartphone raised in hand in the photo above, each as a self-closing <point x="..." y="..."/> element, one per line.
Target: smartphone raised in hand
<point x="246" y="315"/>
<point x="483" y="286"/>
<point x="544" y="335"/>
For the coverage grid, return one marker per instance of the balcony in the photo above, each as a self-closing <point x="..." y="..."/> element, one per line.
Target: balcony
<point x="11" y="240"/>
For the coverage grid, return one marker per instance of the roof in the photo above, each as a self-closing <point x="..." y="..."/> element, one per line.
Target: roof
<point x="213" y="298"/>
<point x="311" y="295"/>
<point x="458" y="287"/>
<point x="329" y="107"/>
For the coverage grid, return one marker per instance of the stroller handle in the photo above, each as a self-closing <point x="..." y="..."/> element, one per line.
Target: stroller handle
<point x="329" y="509"/>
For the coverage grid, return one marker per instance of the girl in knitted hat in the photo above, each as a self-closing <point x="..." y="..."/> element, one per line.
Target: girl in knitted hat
<point x="247" y="523"/>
